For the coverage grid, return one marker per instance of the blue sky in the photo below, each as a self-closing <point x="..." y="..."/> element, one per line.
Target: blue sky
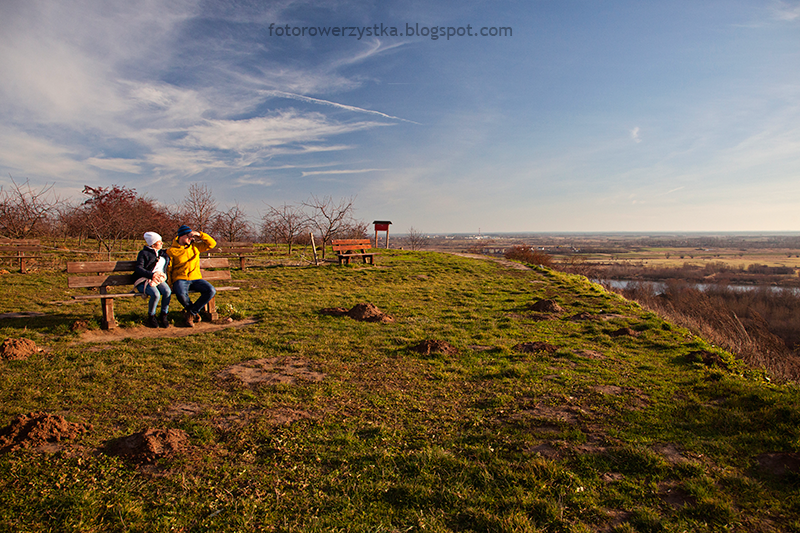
<point x="590" y="116"/>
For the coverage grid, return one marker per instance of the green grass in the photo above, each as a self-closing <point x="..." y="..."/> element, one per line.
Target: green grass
<point x="609" y="433"/>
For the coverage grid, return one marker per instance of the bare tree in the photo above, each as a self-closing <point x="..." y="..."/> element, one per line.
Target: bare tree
<point x="114" y="213"/>
<point x="329" y="218"/>
<point x="25" y="211"/>
<point x="199" y="208"/>
<point x="285" y="223"/>
<point x="232" y="225"/>
<point x="355" y="229"/>
<point x="415" y="239"/>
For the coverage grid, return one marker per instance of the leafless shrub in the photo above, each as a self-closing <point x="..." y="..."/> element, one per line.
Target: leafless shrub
<point x="25" y="211"/>
<point x="284" y="224"/>
<point x="416" y="240"/>
<point x="526" y="254"/>
<point x="232" y="225"/>
<point x="330" y="218"/>
<point x="199" y="208"/>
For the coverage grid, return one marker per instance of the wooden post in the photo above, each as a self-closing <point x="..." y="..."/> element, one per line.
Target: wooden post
<point x="107" y="305"/>
<point x="314" y="248"/>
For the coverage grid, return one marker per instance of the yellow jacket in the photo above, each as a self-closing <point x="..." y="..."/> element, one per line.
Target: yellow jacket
<point x="185" y="260"/>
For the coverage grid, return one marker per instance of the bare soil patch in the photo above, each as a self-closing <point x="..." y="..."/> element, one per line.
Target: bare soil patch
<point x="623" y="332"/>
<point x="149" y="445"/>
<point x="581" y="317"/>
<point x="23" y="314"/>
<point x="141" y="332"/>
<point x="226" y="418"/>
<point x="589" y="354"/>
<point x="271" y="371"/>
<point x="536" y="347"/>
<point x="15" y="349"/>
<point x="546" y="306"/>
<point x="779" y="464"/>
<point x="707" y="358"/>
<point x="365" y="312"/>
<point x="432" y="346"/>
<point x="39" y="430"/>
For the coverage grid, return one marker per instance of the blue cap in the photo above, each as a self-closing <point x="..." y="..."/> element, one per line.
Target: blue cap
<point x="183" y="230"/>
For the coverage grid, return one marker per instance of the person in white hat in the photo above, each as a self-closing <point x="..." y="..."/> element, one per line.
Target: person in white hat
<point x="151" y="272"/>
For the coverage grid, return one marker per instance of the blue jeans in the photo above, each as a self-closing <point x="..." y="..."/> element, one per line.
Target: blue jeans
<point x="182" y="287"/>
<point x="159" y="292"/>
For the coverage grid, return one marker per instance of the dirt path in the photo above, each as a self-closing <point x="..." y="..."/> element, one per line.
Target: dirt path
<point x="504" y="262"/>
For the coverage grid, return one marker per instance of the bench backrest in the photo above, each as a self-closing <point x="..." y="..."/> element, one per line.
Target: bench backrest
<point x="20" y="245"/>
<point x="105" y="270"/>
<point x="343" y="245"/>
<point x="233" y="248"/>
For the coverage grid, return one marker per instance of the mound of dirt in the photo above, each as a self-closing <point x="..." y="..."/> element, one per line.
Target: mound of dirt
<point x="707" y="358"/>
<point x="536" y="347"/>
<point x="545" y="306"/>
<point x="580" y="317"/>
<point x="79" y="326"/>
<point x="17" y="349"/>
<point x="432" y="346"/>
<point x="623" y="332"/>
<point x="38" y="430"/>
<point x="365" y="312"/>
<point x="149" y="445"/>
<point x="271" y="371"/>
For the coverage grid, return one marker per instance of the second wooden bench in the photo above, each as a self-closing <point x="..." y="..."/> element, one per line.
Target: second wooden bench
<point x="347" y="249"/>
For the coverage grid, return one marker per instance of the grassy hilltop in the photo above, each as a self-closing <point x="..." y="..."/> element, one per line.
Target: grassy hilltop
<point x="598" y="416"/>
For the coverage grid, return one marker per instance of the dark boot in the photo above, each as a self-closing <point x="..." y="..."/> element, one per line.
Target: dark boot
<point x="163" y="320"/>
<point x="188" y="318"/>
<point x="151" y="321"/>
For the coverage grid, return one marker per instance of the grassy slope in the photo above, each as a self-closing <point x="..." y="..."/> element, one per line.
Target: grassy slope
<point x="609" y="433"/>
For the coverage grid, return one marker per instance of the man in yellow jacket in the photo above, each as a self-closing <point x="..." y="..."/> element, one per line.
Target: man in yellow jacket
<point x="184" y="271"/>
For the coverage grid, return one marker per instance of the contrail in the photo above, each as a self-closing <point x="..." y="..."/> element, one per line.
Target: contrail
<point x="340" y="106"/>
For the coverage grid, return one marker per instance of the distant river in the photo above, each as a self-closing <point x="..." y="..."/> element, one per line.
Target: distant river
<point x="660" y="286"/>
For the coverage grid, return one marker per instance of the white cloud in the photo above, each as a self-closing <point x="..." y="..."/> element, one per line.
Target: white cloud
<point x="116" y="164"/>
<point x="635" y="135"/>
<point x="358" y="171"/>
<point x="788" y="11"/>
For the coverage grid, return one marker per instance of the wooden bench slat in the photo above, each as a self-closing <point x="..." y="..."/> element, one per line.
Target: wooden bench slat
<point x="20" y="248"/>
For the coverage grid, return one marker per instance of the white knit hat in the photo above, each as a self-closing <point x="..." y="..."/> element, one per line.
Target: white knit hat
<point x="151" y="237"/>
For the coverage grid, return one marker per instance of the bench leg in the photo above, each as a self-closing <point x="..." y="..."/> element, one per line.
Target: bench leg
<point x="241" y="262"/>
<point x="211" y="309"/>
<point x="107" y="306"/>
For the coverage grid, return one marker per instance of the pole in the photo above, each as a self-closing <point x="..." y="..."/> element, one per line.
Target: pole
<point x="314" y="249"/>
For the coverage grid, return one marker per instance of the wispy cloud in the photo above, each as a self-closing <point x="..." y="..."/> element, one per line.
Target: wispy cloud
<point x="335" y="104"/>
<point x="788" y="11"/>
<point x="355" y="171"/>
<point x="635" y="135"/>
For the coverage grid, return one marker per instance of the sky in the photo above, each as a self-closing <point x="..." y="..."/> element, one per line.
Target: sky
<point x="565" y="115"/>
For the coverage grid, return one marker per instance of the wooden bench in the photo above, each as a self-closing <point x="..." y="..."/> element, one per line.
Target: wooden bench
<point x="19" y="248"/>
<point x="105" y="274"/>
<point x="242" y="250"/>
<point x="347" y="249"/>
